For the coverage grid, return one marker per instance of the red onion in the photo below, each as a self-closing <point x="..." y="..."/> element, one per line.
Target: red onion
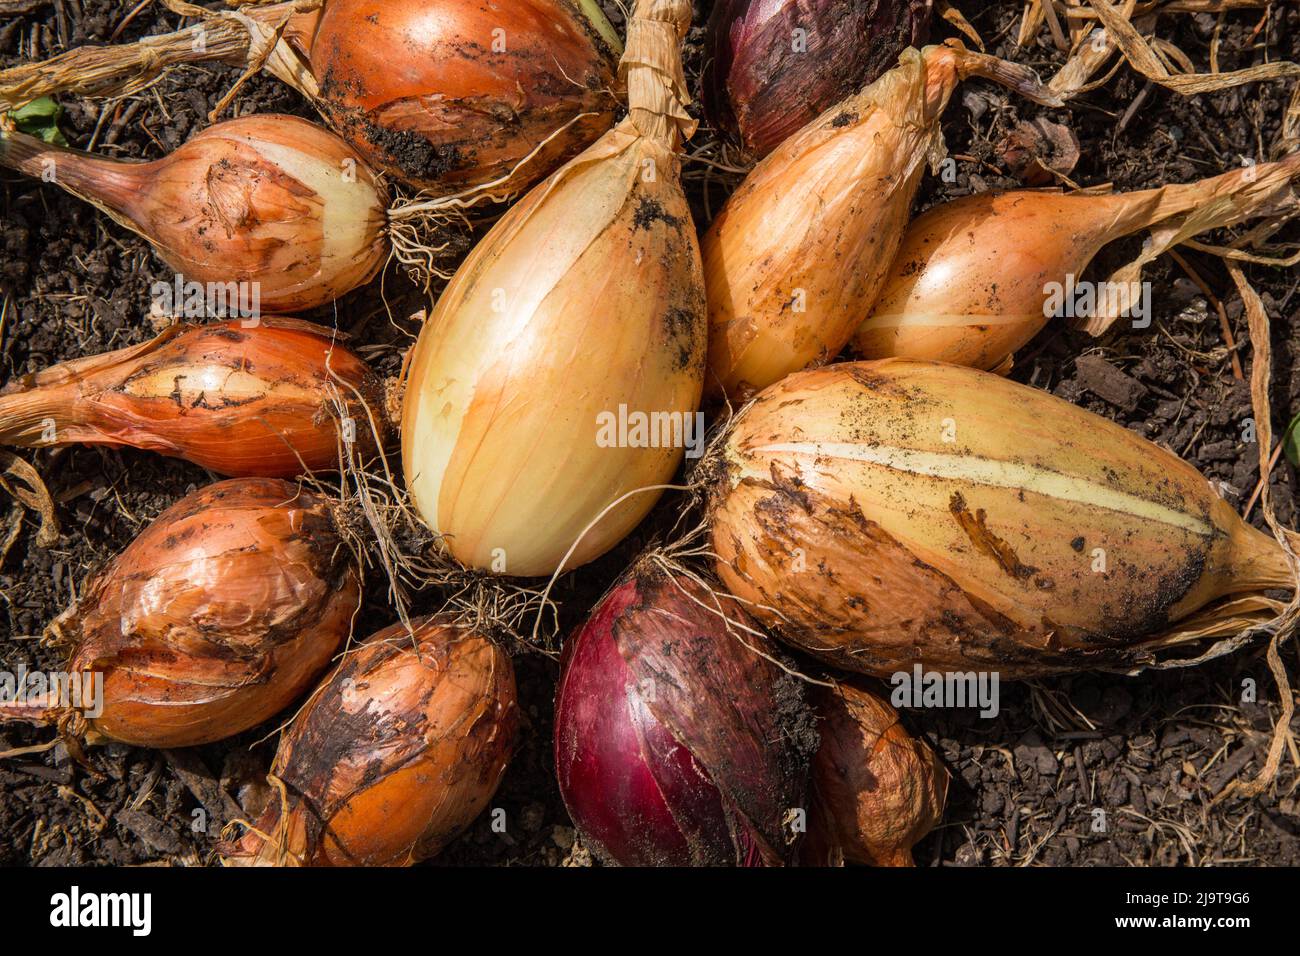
<point x="767" y="81"/>
<point x="678" y="741"/>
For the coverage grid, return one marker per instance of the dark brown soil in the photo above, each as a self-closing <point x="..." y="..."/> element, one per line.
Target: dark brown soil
<point x="1150" y="751"/>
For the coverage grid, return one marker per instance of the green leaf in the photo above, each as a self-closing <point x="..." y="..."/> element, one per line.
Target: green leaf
<point x="1290" y="445"/>
<point x="40" y="118"/>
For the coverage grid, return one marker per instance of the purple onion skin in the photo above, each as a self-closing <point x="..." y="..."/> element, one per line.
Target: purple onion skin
<point x="759" y="91"/>
<point x="702" y="769"/>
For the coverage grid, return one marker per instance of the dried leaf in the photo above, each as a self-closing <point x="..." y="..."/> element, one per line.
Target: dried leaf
<point x="1140" y="55"/>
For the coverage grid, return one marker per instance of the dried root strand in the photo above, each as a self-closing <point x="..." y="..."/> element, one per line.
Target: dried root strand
<point x="1283" y="626"/>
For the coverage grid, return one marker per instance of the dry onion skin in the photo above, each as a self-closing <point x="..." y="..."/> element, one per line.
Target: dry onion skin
<point x="877" y="790"/>
<point x="679" y="739"/>
<point x="776" y="65"/>
<point x="448" y="96"/>
<point x="215" y="618"/>
<point x="241" y="399"/>
<point x="798" y="254"/>
<point x="970" y="282"/>
<point x="885" y="514"/>
<point x="394" y="755"/>
<point x="585" y="298"/>
<point x="266" y="199"/>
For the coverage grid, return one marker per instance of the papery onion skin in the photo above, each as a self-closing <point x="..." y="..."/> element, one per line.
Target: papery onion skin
<point x="237" y="397"/>
<point x="266" y="199"/>
<point x="802" y="248"/>
<point x="758" y="88"/>
<point x="586" y="297"/>
<point x="217" y="616"/>
<point x="970" y="282"/>
<point x="395" y="755"/>
<point x="885" y="514"/>
<point x="675" y="743"/>
<point x="426" y="93"/>
<point x="877" y="789"/>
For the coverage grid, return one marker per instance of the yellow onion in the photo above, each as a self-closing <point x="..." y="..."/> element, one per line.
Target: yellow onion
<point x="877" y="790"/>
<point x="585" y="300"/>
<point x="800" y="251"/>
<point x="973" y="279"/>
<point x="265" y="199"/>
<point x="218" y="616"/>
<point x="445" y="95"/>
<point x="396" y="754"/>
<point x="242" y="399"/>
<point x="460" y="94"/>
<point x="892" y="513"/>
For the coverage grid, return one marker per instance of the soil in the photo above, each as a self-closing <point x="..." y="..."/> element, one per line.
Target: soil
<point x="1148" y="754"/>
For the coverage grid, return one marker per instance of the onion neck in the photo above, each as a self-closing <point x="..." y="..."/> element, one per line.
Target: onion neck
<point x="1259" y="563"/>
<point x="953" y="57"/>
<point x="36" y="417"/>
<point x="652" y="69"/>
<point x="1222" y="200"/>
<point x="115" y="186"/>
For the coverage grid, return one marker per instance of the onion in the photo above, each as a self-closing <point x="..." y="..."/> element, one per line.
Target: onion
<point x="767" y="79"/>
<point x="583" y="302"/>
<point x="394" y="755"/>
<point x="678" y="740"/>
<point x="800" y="251"/>
<point x="215" y="618"/>
<point x="877" y="791"/>
<point x="265" y="199"/>
<point x="448" y="95"/>
<point x="971" y="282"/>
<point x="886" y="514"/>
<point x="239" y="399"/>
<point x="427" y="93"/>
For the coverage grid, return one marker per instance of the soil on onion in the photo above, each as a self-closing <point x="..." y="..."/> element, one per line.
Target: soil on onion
<point x="1083" y="770"/>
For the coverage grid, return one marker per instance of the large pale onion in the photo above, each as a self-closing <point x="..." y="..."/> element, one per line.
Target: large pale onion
<point x="586" y="297"/>
<point x="892" y="513"/>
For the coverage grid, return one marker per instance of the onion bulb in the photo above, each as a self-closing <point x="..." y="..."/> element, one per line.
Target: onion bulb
<point x="458" y="94"/>
<point x="397" y="753"/>
<point x="237" y="398"/>
<point x="800" y="251"/>
<point x="265" y="199"/>
<point x="580" y="311"/>
<point x="216" y="617"/>
<point x="777" y="64"/>
<point x="885" y="514"/>
<point x="678" y="740"/>
<point x="447" y="96"/>
<point x="877" y="790"/>
<point x="973" y="279"/>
